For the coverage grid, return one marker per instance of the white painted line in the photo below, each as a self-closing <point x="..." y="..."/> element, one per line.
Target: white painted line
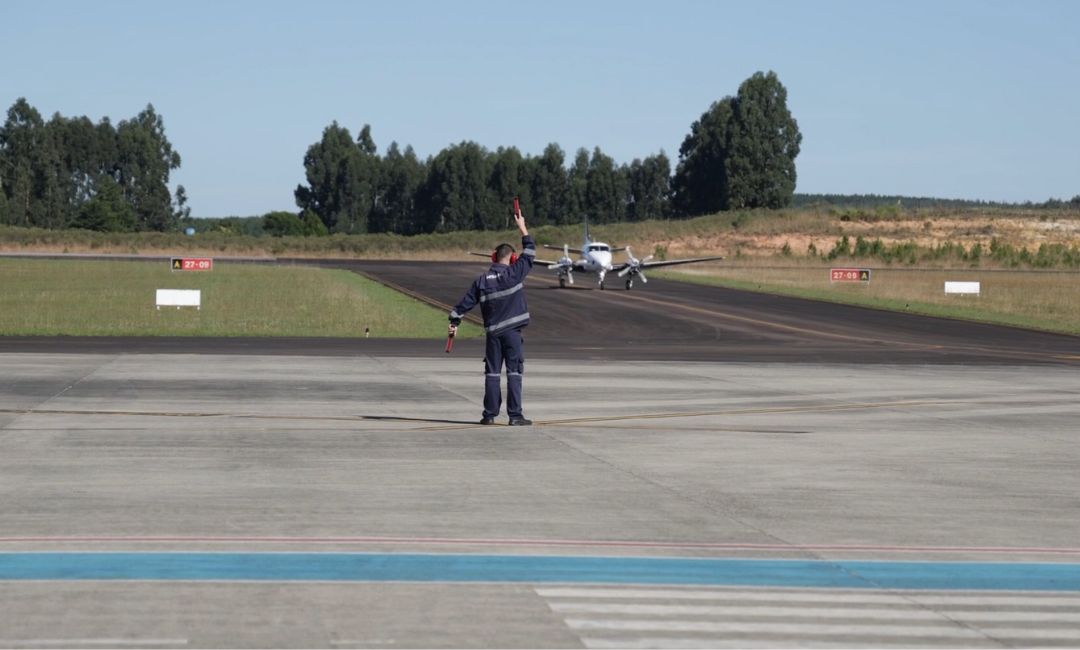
<point x="747" y="610"/>
<point x="71" y="643"/>
<point x="984" y="617"/>
<point x="636" y="643"/>
<point x="1003" y="600"/>
<point x="945" y="629"/>
<point x="686" y="594"/>
<point x="1024" y="635"/>
<point x="814" y="596"/>
<point x="815" y="612"/>
<point x="851" y="628"/>
<point x="770" y="548"/>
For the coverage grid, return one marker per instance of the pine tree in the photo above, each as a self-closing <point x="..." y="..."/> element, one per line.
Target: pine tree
<point x="650" y="188"/>
<point x="740" y="153"/>
<point x="20" y="162"/>
<point x="700" y="184"/>
<point x="145" y="159"/>
<point x="507" y="169"/>
<point x="606" y="189"/>
<point x="577" y="207"/>
<point x="455" y="195"/>
<point x="401" y="178"/>
<point x="764" y="144"/>
<point x="3" y="205"/>
<point x="549" y="187"/>
<point x="333" y="170"/>
<point x="107" y="210"/>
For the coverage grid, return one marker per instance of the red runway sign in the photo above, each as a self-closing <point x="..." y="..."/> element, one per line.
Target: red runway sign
<point x="192" y="264"/>
<point x="849" y="275"/>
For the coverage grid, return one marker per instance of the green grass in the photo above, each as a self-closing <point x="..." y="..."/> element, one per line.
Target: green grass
<point x="1031" y="299"/>
<point x="922" y="235"/>
<point x="116" y="298"/>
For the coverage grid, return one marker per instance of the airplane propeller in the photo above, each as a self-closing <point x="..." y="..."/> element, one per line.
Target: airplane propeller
<point x="634" y="266"/>
<point x="565" y="266"/>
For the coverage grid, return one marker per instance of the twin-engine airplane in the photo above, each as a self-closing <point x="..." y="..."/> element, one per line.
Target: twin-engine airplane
<point x="596" y="257"/>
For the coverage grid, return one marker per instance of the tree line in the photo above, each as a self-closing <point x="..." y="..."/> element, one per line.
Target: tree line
<point x="739" y="154"/>
<point x="351" y="189"/>
<point x="74" y="173"/>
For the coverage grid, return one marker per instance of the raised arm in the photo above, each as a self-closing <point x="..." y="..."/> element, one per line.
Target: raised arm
<point x="525" y="261"/>
<point x="519" y="219"/>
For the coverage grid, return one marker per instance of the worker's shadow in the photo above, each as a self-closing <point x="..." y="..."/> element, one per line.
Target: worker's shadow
<point x="398" y="418"/>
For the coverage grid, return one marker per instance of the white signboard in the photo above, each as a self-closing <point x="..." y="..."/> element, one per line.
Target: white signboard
<point x="179" y="298"/>
<point x="968" y="288"/>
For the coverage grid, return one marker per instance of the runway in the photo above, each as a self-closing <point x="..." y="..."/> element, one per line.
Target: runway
<point x="663" y="320"/>
<point x="669" y="320"/>
<point x="778" y="481"/>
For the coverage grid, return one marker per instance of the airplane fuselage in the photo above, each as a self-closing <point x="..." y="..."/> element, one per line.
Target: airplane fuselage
<point x="595" y="258"/>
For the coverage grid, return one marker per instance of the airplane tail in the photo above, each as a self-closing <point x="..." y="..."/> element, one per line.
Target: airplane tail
<point x="587" y="238"/>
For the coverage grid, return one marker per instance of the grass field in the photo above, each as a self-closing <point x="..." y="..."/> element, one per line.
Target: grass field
<point x="1046" y="300"/>
<point x="116" y="298"/>
<point x="766" y="251"/>
<point x="748" y="233"/>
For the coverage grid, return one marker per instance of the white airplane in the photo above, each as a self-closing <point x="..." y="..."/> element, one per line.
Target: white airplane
<point x="596" y="257"/>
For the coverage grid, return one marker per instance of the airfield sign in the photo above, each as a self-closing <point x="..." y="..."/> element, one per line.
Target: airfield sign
<point x="849" y="275"/>
<point x="191" y="264"/>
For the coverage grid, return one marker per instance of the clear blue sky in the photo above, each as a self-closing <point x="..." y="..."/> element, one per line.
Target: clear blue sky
<point x="959" y="99"/>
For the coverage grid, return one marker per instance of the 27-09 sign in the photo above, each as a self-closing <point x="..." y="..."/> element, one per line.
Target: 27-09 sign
<point x="191" y="264"/>
<point x="849" y="275"/>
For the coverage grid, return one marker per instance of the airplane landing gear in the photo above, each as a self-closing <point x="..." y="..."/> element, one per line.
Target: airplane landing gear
<point x="629" y="284"/>
<point x="562" y="282"/>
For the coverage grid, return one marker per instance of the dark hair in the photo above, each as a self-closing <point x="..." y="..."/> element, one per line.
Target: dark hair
<point x="503" y="251"/>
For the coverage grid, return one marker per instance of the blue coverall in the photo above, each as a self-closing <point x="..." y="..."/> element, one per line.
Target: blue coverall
<point x="500" y="291"/>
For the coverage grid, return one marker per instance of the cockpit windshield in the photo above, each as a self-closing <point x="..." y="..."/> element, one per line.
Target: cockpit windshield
<point x="599" y="248"/>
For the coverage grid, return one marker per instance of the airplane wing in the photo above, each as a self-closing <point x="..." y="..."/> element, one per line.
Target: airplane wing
<point x="654" y="265"/>
<point x="578" y="250"/>
<point x="535" y="261"/>
<point x="559" y="248"/>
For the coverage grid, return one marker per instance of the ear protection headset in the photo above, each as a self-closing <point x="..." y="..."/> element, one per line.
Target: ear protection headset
<point x="495" y="255"/>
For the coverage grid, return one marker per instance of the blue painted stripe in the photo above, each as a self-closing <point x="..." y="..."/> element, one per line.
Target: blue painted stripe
<point x="370" y="567"/>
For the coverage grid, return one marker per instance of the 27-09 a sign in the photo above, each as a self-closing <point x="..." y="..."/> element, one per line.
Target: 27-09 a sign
<point x="849" y="275"/>
<point x="192" y="264"/>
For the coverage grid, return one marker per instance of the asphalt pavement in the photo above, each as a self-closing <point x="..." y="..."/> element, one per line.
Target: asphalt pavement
<point x="664" y="320"/>
<point x="708" y="468"/>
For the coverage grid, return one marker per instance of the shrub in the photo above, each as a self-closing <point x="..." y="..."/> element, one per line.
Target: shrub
<point x="281" y="223"/>
<point x="842" y="247"/>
